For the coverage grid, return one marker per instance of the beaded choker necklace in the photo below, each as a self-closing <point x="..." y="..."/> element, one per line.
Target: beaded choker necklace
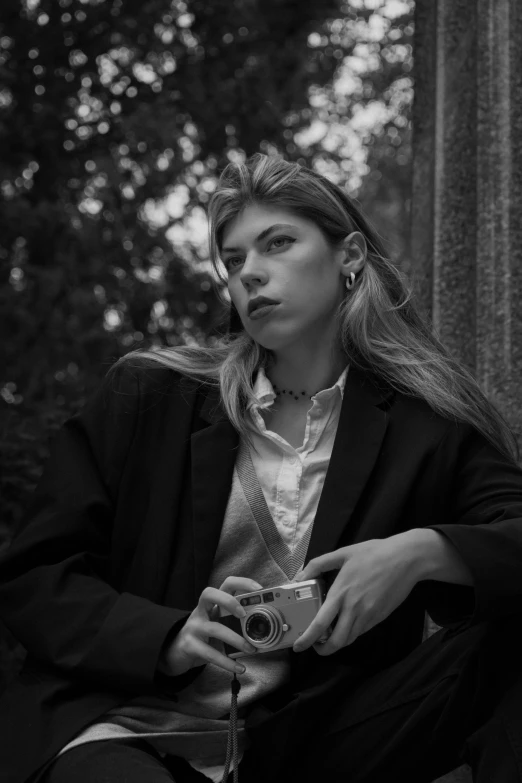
<point x="291" y="393"/>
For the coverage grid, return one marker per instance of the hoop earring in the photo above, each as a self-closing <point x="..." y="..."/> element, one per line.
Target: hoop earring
<point x="351" y="281"/>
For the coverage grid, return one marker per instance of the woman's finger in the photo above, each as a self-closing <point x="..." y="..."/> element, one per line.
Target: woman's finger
<point x="327" y="562"/>
<point x="340" y="635"/>
<point x="225" y="634"/>
<point x="359" y="626"/>
<point x="208" y="654"/>
<point x="242" y="584"/>
<point x="212" y="596"/>
<point x="319" y="625"/>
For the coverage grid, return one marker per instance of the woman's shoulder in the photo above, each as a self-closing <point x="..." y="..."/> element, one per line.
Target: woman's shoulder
<point x="145" y="375"/>
<point x="415" y="415"/>
<point x="138" y="384"/>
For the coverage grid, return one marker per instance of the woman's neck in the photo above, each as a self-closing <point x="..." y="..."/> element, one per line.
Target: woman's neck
<point x="308" y="374"/>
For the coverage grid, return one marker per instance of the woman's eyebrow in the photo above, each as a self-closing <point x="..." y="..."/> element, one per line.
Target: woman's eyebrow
<point x="261" y="236"/>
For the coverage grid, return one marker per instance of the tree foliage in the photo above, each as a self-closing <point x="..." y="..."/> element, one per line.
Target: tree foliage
<point x="107" y="106"/>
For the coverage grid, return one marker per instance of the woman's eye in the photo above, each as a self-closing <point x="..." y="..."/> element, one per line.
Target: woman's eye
<point x="281" y="240"/>
<point x="277" y="243"/>
<point x="230" y="261"/>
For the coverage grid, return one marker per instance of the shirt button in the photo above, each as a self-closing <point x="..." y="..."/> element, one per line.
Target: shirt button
<point x="294" y="461"/>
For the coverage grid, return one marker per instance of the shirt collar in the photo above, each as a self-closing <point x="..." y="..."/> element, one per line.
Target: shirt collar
<point x="264" y="391"/>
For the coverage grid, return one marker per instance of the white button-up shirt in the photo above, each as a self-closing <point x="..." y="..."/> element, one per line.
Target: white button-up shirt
<point x="292" y="479"/>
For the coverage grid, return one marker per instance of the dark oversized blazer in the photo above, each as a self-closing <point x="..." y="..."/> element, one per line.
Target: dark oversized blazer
<point x="118" y="540"/>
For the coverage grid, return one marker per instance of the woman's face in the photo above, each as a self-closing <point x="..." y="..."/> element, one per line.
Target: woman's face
<point x="269" y="251"/>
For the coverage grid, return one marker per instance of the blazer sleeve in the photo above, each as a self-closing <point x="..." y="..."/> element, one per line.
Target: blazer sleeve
<point x="484" y="524"/>
<point x="55" y="591"/>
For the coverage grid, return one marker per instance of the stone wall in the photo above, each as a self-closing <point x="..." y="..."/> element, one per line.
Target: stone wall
<point x="466" y="232"/>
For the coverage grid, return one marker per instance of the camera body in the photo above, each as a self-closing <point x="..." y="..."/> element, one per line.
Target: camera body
<point x="275" y="617"/>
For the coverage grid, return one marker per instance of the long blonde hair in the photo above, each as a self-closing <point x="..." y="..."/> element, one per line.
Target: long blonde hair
<point x="379" y="327"/>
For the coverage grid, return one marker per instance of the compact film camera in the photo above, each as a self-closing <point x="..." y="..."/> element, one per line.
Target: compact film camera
<point x="276" y="616"/>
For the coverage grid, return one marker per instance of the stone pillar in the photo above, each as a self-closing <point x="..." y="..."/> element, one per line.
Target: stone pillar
<point x="466" y="230"/>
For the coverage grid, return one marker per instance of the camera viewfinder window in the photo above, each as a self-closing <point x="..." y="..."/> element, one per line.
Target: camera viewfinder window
<point x="252" y="599"/>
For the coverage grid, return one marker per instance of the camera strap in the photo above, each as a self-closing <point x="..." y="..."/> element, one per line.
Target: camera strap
<point x="232" y="749"/>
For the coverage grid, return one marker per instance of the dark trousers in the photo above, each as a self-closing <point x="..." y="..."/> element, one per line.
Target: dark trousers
<point x="120" y="761"/>
<point x="456" y="698"/>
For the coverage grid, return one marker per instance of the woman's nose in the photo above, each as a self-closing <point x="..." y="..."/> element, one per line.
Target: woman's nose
<point x="252" y="270"/>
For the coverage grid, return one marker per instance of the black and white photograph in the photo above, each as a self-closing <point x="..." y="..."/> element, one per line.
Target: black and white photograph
<point x="260" y="391"/>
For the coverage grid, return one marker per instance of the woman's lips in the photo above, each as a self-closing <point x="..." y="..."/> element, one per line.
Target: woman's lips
<point x="262" y="311"/>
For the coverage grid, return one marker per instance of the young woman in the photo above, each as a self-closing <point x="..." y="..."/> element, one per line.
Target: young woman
<point x="330" y="435"/>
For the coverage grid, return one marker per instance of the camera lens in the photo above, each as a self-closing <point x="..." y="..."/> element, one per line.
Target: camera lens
<point x="263" y="627"/>
<point x="259" y="627"/>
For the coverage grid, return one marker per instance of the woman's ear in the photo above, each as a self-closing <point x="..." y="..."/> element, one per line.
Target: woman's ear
<point x="354" y="247"/>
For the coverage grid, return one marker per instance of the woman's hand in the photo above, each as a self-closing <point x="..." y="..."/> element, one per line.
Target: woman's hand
<point x="374" y="579"/>
<point x="192" y="647"/>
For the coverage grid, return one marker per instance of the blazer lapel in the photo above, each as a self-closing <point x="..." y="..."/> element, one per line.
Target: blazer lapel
<point x="360" y="432"/>
<point x="213" y="450"/>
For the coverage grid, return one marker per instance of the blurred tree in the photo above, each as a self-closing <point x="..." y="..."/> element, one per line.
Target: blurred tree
<point x="107" y="108"/>
<point x="115" y="118"/>
<point x="359" y="127"/>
